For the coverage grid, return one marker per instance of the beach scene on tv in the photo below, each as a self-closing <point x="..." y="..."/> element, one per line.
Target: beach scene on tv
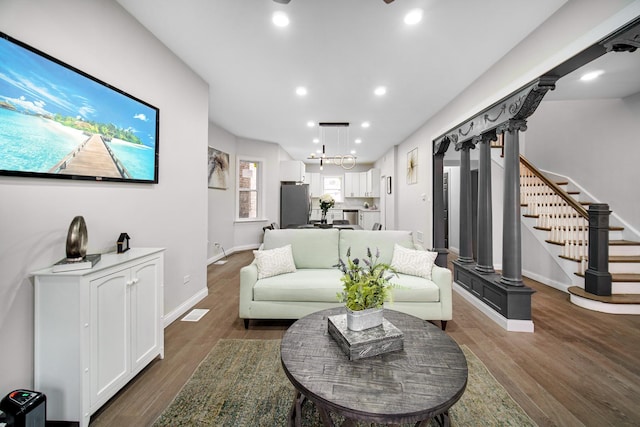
<point x="54" y="120"/>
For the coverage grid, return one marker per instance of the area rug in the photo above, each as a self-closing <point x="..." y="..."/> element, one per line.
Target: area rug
<point x="241" y="383"/>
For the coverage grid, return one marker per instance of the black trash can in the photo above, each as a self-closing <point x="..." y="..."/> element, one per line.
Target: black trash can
<point x="24" y="408"/>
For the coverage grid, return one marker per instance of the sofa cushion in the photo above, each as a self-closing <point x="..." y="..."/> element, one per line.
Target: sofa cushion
<point x="312" y="248"/>
<point x="273" y="262"/>
<point x="413" y="289"/>
<point x="315" y="285"/>
<point x="384" y="241"/>
<point x="413" y="262"/>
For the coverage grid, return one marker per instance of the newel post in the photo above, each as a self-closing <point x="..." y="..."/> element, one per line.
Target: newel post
<point x="597" y="279"/>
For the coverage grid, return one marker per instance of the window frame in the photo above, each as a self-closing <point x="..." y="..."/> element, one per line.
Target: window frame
<point x="340" y="178"/>
<point x="260" y="187"/>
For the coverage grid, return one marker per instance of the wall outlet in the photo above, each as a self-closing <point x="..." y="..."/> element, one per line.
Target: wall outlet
<point x="187" y="278"/>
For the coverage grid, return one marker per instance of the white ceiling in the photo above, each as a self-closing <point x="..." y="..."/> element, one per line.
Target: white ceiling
<point x="340" y="50"/>
<point x="619" y="80"/>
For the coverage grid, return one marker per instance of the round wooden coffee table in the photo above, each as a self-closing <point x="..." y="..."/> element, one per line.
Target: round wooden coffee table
<point x="413" y="385"/>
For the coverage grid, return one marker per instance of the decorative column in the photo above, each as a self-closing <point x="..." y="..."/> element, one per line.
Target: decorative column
<point x="439" y="149"/>
<point x="511" y="231"/>
<point x="597" y="279"/>
<point x="485" y="212"/>
<point x="466" y="226"/>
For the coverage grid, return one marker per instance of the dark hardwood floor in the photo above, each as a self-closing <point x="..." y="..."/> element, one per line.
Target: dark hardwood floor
<point x="578" y="368"/>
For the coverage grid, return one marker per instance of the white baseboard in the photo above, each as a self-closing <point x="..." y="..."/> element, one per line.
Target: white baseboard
<point x="511" y="325"/>
<point x="246" y="247"/>
<point x="231" y="251"/>
<point x="546" y="281"/>
<point x="185" y="306"/>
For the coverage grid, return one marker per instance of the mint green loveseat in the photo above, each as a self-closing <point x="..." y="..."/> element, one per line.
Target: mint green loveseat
<point x="316" y="282"/>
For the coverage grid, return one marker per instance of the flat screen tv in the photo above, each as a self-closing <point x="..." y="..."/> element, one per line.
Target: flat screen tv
<point x="59" y="122"/>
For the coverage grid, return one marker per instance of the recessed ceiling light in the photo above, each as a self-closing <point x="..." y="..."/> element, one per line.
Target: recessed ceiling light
<point x="413" y="17"/>
<point x="365" y="124"/>
<point x="591" y="75"/>
<point x="380" y="90"/>
<point x="280" y="19"/>
<point x="358" y="141"/>
<point x="353" y="151"/>
<point x="316" y="140"/>
<point x="310" y="124"/>
<point x="301" y="91"/>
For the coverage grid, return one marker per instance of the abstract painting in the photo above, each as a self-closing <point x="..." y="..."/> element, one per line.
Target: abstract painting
<point x="412" y="166"/>
<point x="218" y="169"/>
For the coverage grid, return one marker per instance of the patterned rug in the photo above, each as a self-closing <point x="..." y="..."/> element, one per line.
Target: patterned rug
<point x="241" y="384"/>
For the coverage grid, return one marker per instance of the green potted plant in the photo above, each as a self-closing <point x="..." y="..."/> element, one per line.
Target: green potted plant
<point x="366" y="287"/>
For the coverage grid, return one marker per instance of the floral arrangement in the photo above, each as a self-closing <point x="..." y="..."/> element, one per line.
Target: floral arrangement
<point x="326" y="202"/>
<point x="365" y="285"/>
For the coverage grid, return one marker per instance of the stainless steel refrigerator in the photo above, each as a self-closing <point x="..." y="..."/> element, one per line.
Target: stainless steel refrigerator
<point x="295" y="205"/>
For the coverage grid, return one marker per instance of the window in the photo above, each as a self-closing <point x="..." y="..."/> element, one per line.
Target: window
<point x="332" y="185"/>
<point x="249" y="189"/>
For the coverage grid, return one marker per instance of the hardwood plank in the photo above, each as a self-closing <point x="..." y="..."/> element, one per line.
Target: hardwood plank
<point x="578" y="368"/>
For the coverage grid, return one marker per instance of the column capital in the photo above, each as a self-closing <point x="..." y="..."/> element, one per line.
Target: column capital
<point x="440" y="147"/>
<point x="488" y="137"/>
<point x="466" y="145"/>
<point x="512" y="125"/>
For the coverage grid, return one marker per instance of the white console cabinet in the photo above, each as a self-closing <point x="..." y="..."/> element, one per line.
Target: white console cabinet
<point x="96" y="329"/>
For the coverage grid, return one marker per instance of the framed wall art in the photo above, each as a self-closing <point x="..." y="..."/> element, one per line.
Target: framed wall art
<point x="218" y="169"/>
<point x="412" y="166"/>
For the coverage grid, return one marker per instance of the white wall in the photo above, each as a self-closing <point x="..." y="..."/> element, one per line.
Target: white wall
<point x="100" y="38"/>
<point x="222" y="202"/>
<point x="595" y="143"/>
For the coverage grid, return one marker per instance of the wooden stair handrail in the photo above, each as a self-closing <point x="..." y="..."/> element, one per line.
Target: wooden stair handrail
<point x="559" y="191"/>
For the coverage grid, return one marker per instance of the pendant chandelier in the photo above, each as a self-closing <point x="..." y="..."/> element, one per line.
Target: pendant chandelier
<point x="340" y="131"/>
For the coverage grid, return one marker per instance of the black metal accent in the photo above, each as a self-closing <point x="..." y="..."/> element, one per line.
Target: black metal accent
<point x="333" y="124"/>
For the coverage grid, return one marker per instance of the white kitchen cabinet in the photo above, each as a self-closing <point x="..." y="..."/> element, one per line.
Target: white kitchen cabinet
<point x="373" y="183"/>
<point x="315" y="184"/>
<point x="316" y="214"/>
<point x="366" y="219"/>
<point x="334" y="214"/>
<point x="96" y="329"/>
<point x="363" y="184"/>
<point x="292" y="171"/>
<point x="352" y="184"/>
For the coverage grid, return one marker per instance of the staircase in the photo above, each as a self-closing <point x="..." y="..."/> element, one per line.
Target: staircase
<point x="551" y="208"/>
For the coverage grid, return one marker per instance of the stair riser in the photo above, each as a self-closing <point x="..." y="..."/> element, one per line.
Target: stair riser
<point x="615" y="235"/>
<point x="624" y="250"/>
<point x="624" y="267"/>
<point x="625" y="288"/>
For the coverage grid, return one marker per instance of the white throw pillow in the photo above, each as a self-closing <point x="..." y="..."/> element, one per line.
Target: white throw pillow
<point x="276" y="261"/>
<point x="413" y="262"/>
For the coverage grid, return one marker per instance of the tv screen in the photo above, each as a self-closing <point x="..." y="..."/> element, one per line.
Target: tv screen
<point x="58" y="122"/>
